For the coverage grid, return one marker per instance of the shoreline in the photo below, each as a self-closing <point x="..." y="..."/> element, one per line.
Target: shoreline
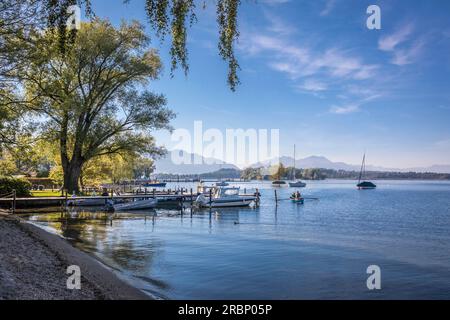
<point x="33" y="264"/>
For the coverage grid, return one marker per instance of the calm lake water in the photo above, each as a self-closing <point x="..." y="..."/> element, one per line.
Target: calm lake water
<point x="319" y="250"/>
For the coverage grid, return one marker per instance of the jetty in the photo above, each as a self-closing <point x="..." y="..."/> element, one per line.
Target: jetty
<point x="169" y="198"/>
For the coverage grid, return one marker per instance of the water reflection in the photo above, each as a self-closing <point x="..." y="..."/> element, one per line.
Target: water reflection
<point x="317" y="250"/>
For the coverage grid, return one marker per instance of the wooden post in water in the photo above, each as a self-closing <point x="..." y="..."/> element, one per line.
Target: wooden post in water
<point x="257" y="196"/>
<point x="210" y="198"/>
<point x="276" y="198"/>
<point x="154" y="193"/>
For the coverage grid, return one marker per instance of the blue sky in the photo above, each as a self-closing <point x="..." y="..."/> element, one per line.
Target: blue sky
<point x="313" y="70"/>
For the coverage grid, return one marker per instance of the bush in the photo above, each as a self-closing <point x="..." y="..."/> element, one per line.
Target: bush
<point x="22" y="187"/>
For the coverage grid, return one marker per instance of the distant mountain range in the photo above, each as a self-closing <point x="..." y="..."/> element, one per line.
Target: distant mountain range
<point x="325" y="163"/>
<point x="166" y="165"/>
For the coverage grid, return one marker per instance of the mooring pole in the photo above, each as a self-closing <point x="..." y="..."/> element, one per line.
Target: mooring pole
<point x="276" y="198"/>
<point x="257" y="196"/>
<point x="210" y="198"/>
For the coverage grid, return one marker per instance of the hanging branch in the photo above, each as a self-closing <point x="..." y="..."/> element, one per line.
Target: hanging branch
<point x="172" y="17"/>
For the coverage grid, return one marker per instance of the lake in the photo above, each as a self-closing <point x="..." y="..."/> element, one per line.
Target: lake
<point x="319" y="250"/>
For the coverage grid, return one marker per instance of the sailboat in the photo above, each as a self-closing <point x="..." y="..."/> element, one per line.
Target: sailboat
<point x="298" y="183"/>
<point x="364" y="184"/>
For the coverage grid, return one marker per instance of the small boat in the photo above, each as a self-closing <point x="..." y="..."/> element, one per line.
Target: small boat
<point x="155" y="185"/>
<point x="278" y="183"/>
<point x="298" y="200"/>
<point x="94" y="202"/>
<point x="141" y="204"/>
<point x="225" y="197"/>
<point x="364" y="185"/>
<point x="296" y="183"/>
<point x="222" y="184"/>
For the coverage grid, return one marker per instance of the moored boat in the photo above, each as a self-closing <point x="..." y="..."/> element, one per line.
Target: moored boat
<point x="296" y="183"/>
<point x="278" y="183"/>
<point x="225" y="197"/>
<point x="364" y="185"/>
<point x="94" y="202"/>
<point x="155" y="185"/>
<point x="141" y="204"/>
<point x="222" y="184"/>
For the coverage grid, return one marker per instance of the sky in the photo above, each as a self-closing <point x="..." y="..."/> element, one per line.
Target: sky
<point x="313" y="70"/>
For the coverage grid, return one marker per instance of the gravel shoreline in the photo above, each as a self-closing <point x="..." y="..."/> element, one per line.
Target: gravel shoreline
<point x="33" y="266"/>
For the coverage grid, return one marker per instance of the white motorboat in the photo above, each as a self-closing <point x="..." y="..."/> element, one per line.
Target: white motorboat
<point x="225" y="197"/>
<point x="140" y="204"/>
<point x="94" y="202"/>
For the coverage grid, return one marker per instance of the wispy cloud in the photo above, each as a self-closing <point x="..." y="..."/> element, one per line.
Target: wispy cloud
<point x="408" y="55"/>
<point x="278" y="25"/>
<point x="298" y="61"/>
<point x="312" y="85"/>
<point x="329" y="6"/>
<point x="445" y="143"/>
<point x="350" y="108"/>
<point x="390" y="42"/>
<point x="396" y="43"/>
<point x="354" y="106"/>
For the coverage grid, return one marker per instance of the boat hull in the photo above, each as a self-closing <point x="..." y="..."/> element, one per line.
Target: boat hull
<point x="155" y="185"/>
<point x="299" y="201"/>
<point x="136" y="205"/>
<point x="86" y="202"/>
<point x="227" y="204"/>
<point x="297" y="184"/>
<point x="366" y="185"/>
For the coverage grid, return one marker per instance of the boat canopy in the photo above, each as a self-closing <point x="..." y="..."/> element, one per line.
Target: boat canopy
<point x="226" y="192"/>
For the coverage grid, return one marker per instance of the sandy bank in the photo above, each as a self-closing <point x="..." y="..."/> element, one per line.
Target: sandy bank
<point x="33" y="265"/>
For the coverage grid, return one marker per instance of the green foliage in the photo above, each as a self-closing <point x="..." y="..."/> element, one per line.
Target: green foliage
<point x="22" y="187"/>
<point x="252" y="174"/>
<point x="172" y="17"/>
<point x="94" y="97"/>
<point x="279" y="172"/>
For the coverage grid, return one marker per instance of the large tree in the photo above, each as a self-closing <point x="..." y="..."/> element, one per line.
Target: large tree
<point x="166" y="17"/>
<point x="92" y="99"/>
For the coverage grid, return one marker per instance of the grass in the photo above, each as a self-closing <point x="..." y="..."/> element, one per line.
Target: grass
<point x="46" y="193"/>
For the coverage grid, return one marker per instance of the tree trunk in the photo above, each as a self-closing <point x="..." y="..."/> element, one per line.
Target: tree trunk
<point x="72" y="174"/>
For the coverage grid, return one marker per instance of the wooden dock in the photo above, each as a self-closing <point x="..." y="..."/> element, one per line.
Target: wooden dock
<point x="36" y="202"/>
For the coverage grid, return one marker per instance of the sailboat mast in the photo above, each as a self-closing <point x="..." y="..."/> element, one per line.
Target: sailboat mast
<point x="363" y="164"/>
<point x="294" y="163"/>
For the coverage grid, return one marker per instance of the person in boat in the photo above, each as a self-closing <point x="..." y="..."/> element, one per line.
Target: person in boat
<point x="296" y="195"/>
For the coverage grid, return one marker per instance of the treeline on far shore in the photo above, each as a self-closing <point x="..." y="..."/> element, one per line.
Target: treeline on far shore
<point x="307" y="174"/>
